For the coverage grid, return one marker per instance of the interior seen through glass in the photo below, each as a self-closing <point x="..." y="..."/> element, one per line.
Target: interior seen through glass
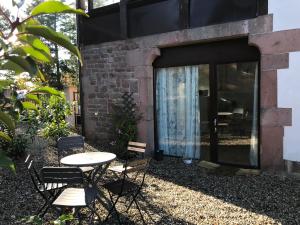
<point x="237" y="94"/>
<point x="185" y="116"/>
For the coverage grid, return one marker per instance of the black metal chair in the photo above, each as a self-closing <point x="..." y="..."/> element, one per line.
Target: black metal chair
<point x="48" y="191"/>
<point x="71" y="197"/>
<point x="137" y="149"/>
<point x="65" y="145"/>
<point x="129" y="186"/>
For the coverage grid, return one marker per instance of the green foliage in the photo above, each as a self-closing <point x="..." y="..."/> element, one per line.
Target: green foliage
<point x="53" y="36"/>
<point x="36" y="220"/>
<point x="53" y="114"/>
<point x="23" y="49"/>
<point x="63" y="219"/>
<point x="125" y="119"/>
<point x="17" y="147"/>
<point x="6" y="162"/>
<point x="51" y="7"/>
<point x="64" y="70"/>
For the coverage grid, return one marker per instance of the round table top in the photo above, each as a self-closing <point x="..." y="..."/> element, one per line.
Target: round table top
<point x="88" y="159"/>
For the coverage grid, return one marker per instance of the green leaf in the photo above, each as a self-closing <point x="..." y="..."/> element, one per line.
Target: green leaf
<point x="6" y="119"/>
<point x="6" y="162"/>
<point x="35" y="220"/>
<point x="34" y="42"/>
<point x="5" y="137"/>
<point x="22" y="25"/>
<point x="53" y="36"/>
<point x="63" y="219"/>
<point x="47" y="90"/>
<point x="5" y="84"/>
<point x="34" y="98"/>
<point x="20" y="64"/>
<point x="3" y="45"/>
<point x="29" y="106"/>
<point x="37" y="54"/>
<point x="51" y="7"/>
<point x="41" y="75"/>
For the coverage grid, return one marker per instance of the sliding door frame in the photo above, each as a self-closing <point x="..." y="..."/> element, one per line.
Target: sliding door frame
<point x="217" y="53"/>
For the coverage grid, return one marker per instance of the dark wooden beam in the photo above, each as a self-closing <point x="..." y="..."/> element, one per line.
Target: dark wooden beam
<point x="90" y="5"/>
<point x="184" y="13"/>
<point x="123" y="19"/>
<point x="262" y="7"/>
<point x="80" y="5"/>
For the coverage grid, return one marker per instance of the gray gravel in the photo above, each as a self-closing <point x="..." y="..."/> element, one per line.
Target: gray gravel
<point x="177" y="194"/>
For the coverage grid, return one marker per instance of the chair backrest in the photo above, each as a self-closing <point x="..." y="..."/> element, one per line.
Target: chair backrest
<point x="35" y="178"/>
<point x="66" y="175"/>
<point x="137" y="147"/>
<point x="66" y="144"/>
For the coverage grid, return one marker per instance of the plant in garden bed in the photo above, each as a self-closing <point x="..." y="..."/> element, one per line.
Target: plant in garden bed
<point x="22" y="50"/>
<point x="53" y="117"/>
<point x="125" y="118"/>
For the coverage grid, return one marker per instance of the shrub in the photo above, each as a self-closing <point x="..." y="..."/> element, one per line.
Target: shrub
<point x="17" y="147"/>
<point x="53" y="115"/>
<point x="125" y="119"/>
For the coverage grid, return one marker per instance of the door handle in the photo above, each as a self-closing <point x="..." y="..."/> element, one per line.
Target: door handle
<point x="215" y="122"/>
<point x="215" y="125"/>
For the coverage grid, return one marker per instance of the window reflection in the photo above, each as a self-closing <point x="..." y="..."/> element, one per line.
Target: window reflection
<point x="101" y="3"/>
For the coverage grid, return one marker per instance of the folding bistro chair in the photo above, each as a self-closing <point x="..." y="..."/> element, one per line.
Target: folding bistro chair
<point x="48" y="191"/>
<point x="129" y="186"/>
<point x="134" y="148"/>
<point x="65" y="145"/>
<point x="71" y="197"/>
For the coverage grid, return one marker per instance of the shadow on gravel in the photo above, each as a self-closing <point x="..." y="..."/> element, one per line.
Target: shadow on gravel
<point x="274" y="196"/>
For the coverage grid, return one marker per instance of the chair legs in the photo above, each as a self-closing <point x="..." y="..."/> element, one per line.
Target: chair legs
<point x="113" y="209"/>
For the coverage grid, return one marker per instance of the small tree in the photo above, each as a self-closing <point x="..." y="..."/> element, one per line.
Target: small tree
<point x="125" y="119"/>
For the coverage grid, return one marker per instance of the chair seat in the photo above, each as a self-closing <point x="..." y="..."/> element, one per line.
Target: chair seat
<point x="86" y="169"/>
<point x="75" y="197"/>
<point x="118" y="169"/>
<point x="51" y="186"/>
<point x="116" y="186"/>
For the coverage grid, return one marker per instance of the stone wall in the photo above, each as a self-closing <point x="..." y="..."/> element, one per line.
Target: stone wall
<point x="112" y="68"/>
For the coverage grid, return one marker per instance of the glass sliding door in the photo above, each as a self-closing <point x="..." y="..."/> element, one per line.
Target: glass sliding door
<point x="182" y="101"/>
<point x="237" y="113"/>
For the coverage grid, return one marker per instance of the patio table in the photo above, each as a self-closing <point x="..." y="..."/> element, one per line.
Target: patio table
<point x="100" y="160"/>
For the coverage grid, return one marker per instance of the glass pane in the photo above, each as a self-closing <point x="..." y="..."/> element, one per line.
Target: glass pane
<point x="101" y="3"/>
<point x="204" y="104"/>
<point x="180" y="94"/>
<point x="237" y="113"/>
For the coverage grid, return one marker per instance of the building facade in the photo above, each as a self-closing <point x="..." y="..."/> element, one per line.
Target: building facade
<point x="209" y="77"/>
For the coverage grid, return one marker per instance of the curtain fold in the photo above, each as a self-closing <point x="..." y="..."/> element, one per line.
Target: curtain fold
<point x="178" y="114"/>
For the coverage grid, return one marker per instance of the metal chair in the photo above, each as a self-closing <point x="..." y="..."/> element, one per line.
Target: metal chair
<point x="68" y="144"/>
<point x="71" y="197"/>
<point x="48" y="191"/>
<point x="136" y="148"/>
<point x="129" y="186"/>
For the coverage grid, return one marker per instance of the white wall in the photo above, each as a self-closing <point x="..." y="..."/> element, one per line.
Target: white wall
<point x="286" y="15"/>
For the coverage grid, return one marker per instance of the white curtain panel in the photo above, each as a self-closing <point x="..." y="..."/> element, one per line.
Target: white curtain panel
<point x="177" y="110"/>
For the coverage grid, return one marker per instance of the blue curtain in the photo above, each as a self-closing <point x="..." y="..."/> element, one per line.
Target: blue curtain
<point x="177" y="110"/>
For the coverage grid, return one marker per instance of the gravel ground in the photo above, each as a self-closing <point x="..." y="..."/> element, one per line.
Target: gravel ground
<point x="176" y="194"/>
